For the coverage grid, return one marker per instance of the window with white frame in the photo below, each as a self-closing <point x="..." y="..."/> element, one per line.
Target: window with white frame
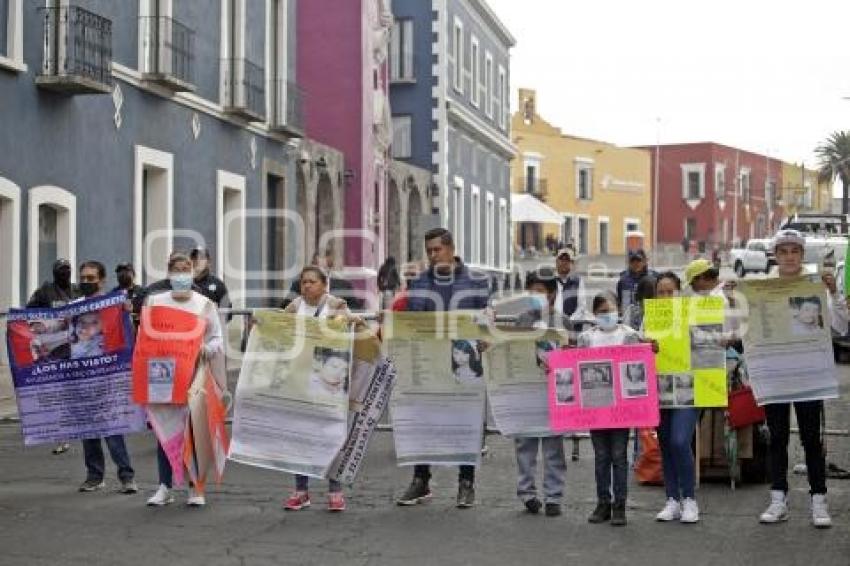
<point x="475" y="226"/>
<point x="230" y="233"/>
<point x="770" y="196"/>
<point x="490" y="231"/>
<point x="503" y="97"/>
<point x="720" y="180"/>
<point x="10" y="245"/>
<point x="583" y="235"/>
<point x="693" y="181"/>
<point x="233" y="49"/>
<point x="457" y="207"/>
<point x="52" y="231"/>
<point x="504" y="241"/>
<point x="603" y="235"/>
<point x="488" y="84"/>
<point x="745" y="183"/>
<point x="11" y="35"/>
<point x="457" y="52"/>
<point x="567" y="231"/>
<point x="402" y="126"/>
<point x="584" y="180"/>
<point x="153" y="213"/>
<point x="475" y="66"/>
<point x="401" y="50"/>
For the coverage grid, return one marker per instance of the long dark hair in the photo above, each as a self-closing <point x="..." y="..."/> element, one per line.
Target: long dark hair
<point x="469" y="348"/>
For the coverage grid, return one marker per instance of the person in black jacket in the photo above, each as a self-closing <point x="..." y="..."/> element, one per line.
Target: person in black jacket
<point x="126" y="275"/>
<point x="56" y="293"/>
<point x="210" y="286"/>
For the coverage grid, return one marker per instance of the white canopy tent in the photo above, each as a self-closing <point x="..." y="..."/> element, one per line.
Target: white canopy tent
<point x="527" y="208"/>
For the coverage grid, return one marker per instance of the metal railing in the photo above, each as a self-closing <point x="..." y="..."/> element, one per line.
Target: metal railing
<point x="169" y="48"/>
<point x="287" y="106"/>
<point x="244" y="88"/>
<point x="537" y="187"/>
<point x="77" y="43"/>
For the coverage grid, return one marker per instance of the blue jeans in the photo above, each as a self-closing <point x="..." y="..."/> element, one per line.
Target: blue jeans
<point x="95" y="463"/>
<point x="675" y="433"/>
<point x="303" y="482"/>
<point x="609" y="452"/>
<point x="554" y="467"/>
<point x="164" y="466"/>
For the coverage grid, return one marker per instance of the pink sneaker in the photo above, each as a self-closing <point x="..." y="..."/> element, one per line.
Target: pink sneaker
<point x="297" y="501"/>
<point x="336" y="502"/>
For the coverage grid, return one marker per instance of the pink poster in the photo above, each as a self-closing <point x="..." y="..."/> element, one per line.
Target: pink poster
<point x="596" y="388"/>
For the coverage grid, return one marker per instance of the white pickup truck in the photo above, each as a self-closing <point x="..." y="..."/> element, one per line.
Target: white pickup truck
<point x="756" y="256"/>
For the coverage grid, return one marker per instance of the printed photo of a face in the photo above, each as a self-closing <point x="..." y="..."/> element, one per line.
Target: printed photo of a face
<point x="666" y="390"/>
<point x="564" y="392"/>
<point x="87" y="336"/>
<point x="541" y="352"/>
<point x="633" y="380"/>
<point x="330" y="372"/>
<point x="707" y="349"/>
<point x="51" y="340"/>
<point x="467" y="366"/>
<point x="684" y="390"/>
<point x="597" y="384"/>
<point x="806" y="316"/>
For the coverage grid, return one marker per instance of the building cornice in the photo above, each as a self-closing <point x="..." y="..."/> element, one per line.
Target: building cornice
<point x="486" y="132"/>
<point x="493" y="21"/>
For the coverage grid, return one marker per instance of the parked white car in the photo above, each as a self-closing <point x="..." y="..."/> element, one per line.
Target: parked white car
<point x="756" y="256"/>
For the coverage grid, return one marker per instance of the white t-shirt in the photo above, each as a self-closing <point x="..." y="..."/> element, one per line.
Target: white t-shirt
<point x="619" y="336"/>
<point x="311" y="310"/>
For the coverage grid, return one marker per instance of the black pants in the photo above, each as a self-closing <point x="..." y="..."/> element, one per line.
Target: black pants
<point x="809" y="421"/>
<point x="423" y="471"/>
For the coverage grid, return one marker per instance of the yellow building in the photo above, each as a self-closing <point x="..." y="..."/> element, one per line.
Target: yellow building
<point x="802" y="191"/>
<point x="602" y="191"/>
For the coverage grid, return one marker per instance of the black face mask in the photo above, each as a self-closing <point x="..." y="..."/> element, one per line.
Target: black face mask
<point x="88" y="289"/>
<point x="125" y="280"/>
<point x="62" y="277"/>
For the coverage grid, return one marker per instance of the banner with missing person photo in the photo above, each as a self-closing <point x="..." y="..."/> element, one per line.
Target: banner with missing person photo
<point x="788" y="343"/>
<point x="437" y="409"/>
<point x="71" y="368"/>
<point x="605" y="387"/>
<point x="691" y="359"/>
<point x="292" y="397"/>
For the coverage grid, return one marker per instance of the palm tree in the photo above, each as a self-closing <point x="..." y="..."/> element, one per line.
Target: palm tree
<point x="834" y="156"/>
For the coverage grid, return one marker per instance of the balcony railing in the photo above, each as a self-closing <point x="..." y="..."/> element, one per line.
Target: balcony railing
<point x="168" y="52"/>
<point x="287" y="110"/>
<point x="244" y="89"/>
<point x="537" y="187"/>
<point x="77" y="55"/>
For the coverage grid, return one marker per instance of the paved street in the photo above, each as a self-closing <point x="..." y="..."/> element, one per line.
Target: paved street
<point x="43" y="520"/>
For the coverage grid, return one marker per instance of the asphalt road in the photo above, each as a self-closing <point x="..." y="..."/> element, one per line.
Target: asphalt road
<point x="43" y="520"/>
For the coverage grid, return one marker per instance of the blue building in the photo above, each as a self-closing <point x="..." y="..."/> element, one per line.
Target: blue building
<point x="450" y="76"/>
<point x="132" y="127"/>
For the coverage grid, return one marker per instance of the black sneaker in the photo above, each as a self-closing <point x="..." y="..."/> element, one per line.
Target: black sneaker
<point x="601" y="514"/>
<point x="465" y="494"/>
<point x="553" y="509"/>
<point x="533" y="506"/>
<point x="129" y="487"/>
<point x="92" y="485"/>
<point x="417" y="492"/>
<point x="618" y="515"/>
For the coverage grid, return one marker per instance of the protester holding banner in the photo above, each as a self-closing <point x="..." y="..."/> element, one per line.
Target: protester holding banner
<point x="92" y="281"/>
<point x="552" y="445"/>
<point x="609" y="445"/>
<point x="448" y="284"/>
<point x="314" y="301"/>
<point x="675" y="434"/>
<point x="789" y="248"/>
<point x="179" y="376"/>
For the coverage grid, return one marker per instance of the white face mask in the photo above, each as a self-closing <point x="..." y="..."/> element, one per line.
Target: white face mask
<point x="607" y="321"/>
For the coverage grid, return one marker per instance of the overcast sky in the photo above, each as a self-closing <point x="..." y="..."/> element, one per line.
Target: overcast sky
<point x="767" y="76"/>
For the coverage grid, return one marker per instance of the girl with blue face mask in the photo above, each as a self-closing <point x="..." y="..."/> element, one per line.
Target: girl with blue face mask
<point x="609" y="445"/>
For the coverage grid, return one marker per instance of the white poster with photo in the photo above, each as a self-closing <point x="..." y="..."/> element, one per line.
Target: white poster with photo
<point x="291" y="406"/>
<point x="437" y="408"/>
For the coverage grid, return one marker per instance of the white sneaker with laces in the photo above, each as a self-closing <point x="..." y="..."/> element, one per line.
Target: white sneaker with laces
<point x="671" y="512"/>
<point x="161" y="497"/>
<point x="196" y="499"/>
<point x="777" y="511"/>
<point x="820" y="513"/>
<point x="690" y="511"/>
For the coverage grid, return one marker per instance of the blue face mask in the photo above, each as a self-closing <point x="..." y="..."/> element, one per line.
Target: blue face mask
<point x="181" y="282"/>
<point x="541" y="302"/>
<point x="607" y="321"/>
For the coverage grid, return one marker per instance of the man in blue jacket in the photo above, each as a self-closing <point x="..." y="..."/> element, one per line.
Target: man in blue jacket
<point x="629" y="279"/>
<point x="447" y="285"/>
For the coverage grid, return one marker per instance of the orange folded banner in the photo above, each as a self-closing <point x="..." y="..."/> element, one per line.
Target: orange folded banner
<point x="166" y="354"/>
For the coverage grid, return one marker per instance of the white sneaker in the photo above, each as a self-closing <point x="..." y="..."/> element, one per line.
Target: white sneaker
<point x="690" y="511"/>
<point x="196" y="499"/>
<point x="820" y="514"/>
<point x="671" y="512"/>
<point x="161" y="497"/>
<point x="777" y="510"/>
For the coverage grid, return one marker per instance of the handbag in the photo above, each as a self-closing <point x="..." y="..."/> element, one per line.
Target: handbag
<point x="743" y="410"/>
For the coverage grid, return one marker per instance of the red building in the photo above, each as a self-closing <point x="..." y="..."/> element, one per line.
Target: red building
<point x="713" y="194"/>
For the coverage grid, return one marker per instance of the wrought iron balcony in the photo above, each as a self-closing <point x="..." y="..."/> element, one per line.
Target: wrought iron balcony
<point x="244" y="89"/>
<point x="537" y="187"/>
<point x="77" y="55"/>
<point x="287" y="111"/>
<point x="168" y="52"/>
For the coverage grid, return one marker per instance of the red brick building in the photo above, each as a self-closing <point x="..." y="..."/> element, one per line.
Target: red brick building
<point x="715" y="194"/>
